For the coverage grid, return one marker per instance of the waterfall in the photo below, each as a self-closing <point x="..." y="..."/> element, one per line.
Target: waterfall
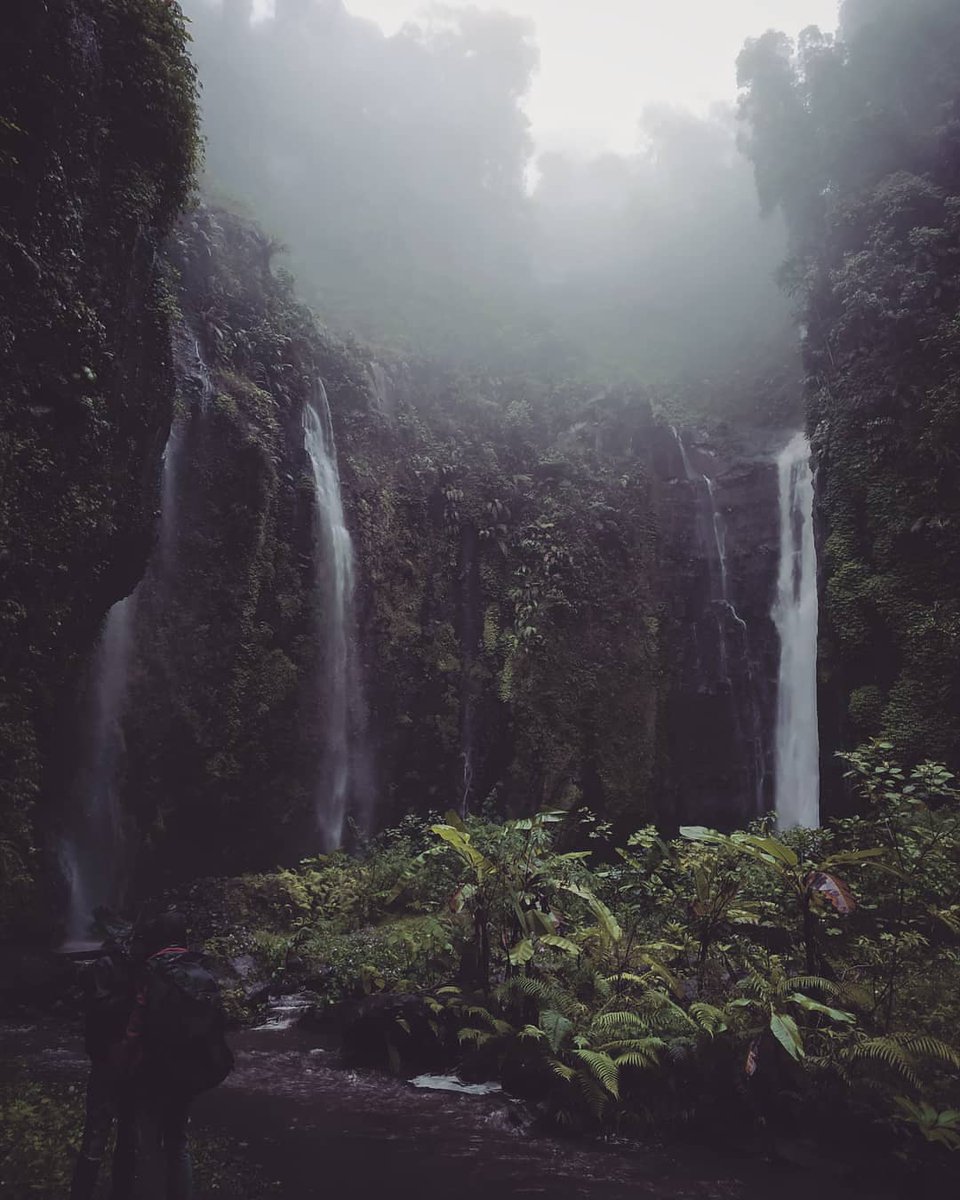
<point x="736" y="670"/>
<point x="93" y="858"/>
<point x="720" y="540"/>
<point x="795" y="615"/>
<point x="344" y="768"/>
<point x="94" y="853"/>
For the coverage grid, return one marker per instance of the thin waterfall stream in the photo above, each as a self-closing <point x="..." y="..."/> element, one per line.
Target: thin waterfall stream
<point x="93" y="854"/>
<point x="94" y="851"/>
<point x="344" y="771"/>
<point x="734" y="652"/>
<point x="795" y="614"/>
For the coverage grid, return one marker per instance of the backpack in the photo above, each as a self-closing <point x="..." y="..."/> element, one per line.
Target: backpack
<point x="184" y="1039"/>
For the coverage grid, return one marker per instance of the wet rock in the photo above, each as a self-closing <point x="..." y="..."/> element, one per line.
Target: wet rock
<point x="391" y="1032"/>
<point x="717" y="504"/>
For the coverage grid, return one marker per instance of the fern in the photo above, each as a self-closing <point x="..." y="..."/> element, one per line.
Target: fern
<point x="888" y="1052"/>
<point x="707" y="1017"/>
<point x="595" y="1095"/>
<point x="602" y="1067"/>
<point x="925" y="1046"/>
<point x="636" y="1058"/>
<point x="618" y="1022"/>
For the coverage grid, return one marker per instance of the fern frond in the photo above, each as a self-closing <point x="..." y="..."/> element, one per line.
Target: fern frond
<point x="707" y="1017"/>
<point x="636" y="1058"/>
<point x="888" y="1053"/>
<point x="595" y="1095"/>
<point x="814" y="983"/>
<point x="602" y="1067"/>
<point x="925" y="1046"/>
<point x="618" y="1022"/>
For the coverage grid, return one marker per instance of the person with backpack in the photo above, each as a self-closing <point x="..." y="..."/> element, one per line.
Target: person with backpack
<point x="108" y="992"/>
<point x="175" y="1048"/>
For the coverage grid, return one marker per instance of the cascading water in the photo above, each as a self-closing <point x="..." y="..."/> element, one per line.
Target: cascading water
<point x="795" y="614"/>
<point x="93" y="857"/>
<point x="344" y="769"/>
<point x="93" y="854"/>
<point x="735" y="670"/>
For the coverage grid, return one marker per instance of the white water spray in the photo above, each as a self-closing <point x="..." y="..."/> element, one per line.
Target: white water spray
<point x="94" y="853"/>
<point x="93" y="858"/>
<point x="343" y="768"/>
<point x="795" y="614"/>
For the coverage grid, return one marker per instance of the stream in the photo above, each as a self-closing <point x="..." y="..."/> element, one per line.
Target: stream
<point x="305" y="1127"/>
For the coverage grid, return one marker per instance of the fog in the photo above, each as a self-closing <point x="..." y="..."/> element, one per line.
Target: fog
<point x="425" y="212"/>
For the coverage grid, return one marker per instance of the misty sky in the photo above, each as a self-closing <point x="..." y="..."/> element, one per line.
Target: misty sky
<point x="603" y="60"/>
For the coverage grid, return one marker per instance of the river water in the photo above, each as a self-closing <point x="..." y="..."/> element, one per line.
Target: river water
<point x="305" y="1128"/>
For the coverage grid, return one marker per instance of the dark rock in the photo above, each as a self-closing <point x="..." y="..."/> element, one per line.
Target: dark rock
<point x="390" y="1032"/>
<point x="718" y="512"/>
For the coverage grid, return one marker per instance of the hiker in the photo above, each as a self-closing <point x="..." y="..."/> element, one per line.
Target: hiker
<point x="109" y="988"/>
<point x="175" y="1049"/>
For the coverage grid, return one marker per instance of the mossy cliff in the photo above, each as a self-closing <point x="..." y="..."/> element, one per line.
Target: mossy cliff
<point x="529" y="568"/>
<point x="505" y="584"/>
<point x="98" y="138"/>
<point x="509" y="605"/>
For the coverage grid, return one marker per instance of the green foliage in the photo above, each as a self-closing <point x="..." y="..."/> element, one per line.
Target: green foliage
<point x="853" y="137"/>
<point x="38" y="1124"/>
<point x="98" y="145"/>
<point x="665" y="982"/>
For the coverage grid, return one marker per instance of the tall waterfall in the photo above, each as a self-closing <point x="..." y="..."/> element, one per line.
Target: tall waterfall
<point x="93" y="856"/>
<point x="795" y="616"/>
<point x="344" y="770"/>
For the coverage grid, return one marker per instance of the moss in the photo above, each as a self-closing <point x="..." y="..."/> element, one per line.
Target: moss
<point x="40" y="1125"/>
<point x="99" y="132"/>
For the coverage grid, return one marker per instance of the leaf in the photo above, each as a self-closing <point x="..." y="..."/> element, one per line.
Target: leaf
<point x="602" y="1068"/>
<point x="604" y="917"/>
<point x="835" y="1014"/>
<point x="664" y="972"/>
<point x="460" y="842"/>
<point x="753" y="1058"/>
<point x="784" y="1029"/>
<point x="560" y="943"/>
<point x="769" y="846"/>
<point x="700" y="833"/>
<point x="556" y="1026"/>
<point x="521" y="953"/>
<point x="853" y="856"/>
<point x="833" y="889"/>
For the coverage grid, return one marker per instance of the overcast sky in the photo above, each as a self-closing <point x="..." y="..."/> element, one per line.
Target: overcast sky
<point x="602" y="61"/>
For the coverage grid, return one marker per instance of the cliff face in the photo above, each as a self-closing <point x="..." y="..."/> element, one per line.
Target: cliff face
<point x="97" y="141"/>
<point x="559" y="603"/>
<point x="507" y="563"/>
<point x="717" y="506"/>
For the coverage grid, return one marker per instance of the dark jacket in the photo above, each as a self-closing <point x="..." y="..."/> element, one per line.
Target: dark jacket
<point x="109" y="986"/>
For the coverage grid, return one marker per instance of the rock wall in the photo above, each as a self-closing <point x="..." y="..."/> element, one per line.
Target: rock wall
<point x="542" y="621"/>
<point x="510" y="620"/>
<point x="717" y="506"/>
<point x="97" y="143"/>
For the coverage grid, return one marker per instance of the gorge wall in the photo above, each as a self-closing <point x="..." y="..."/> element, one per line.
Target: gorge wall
<point x="97" y="145"/>
<point x="560" y="600"/>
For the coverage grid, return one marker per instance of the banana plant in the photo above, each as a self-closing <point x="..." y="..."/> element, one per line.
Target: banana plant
<point x="509" y="889"/>
<point x="813" y="884"/>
